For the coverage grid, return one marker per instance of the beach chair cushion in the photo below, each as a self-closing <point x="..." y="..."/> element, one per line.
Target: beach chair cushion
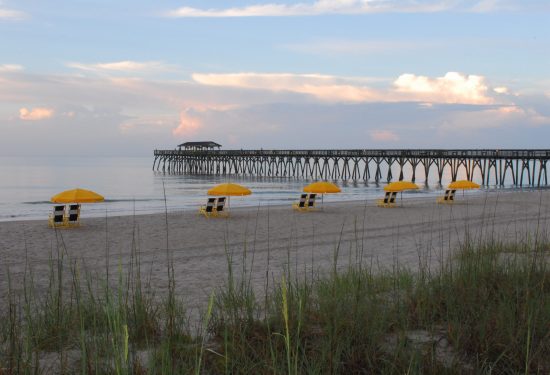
<point x="311" y="201"/>
<point x="58" y="214"/>
<point x="208" y="210"/>
<point x="221" y="204"/>
<point x="220" y="207"/>
<point x="73" y="217"/>
<point x="57" y="217"/>
<point x="388" y="200"/>
<point x="451" y="195"/>
<point x="448" y="197"/>
<point x="301" y="204"/>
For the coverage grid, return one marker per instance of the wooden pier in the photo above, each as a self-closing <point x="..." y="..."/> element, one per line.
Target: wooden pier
<point x="520" y="167"/>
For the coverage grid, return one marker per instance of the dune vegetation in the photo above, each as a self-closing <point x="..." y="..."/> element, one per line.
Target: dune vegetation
<point x="484" y="310"/>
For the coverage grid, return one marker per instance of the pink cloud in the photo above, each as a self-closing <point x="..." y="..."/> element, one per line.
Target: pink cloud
<point x="384" y="136"/>
<point x="452" y="88"/>
<point x="188" y="124"/>
<point x="323" y="87"/>
<point x="35" y="114"/>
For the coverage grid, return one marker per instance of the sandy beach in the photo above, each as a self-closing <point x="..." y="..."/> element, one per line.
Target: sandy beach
<point x="269" y="238"/>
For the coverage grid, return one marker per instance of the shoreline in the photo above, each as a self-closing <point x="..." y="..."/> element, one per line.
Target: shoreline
<point x="267" y="239"/>
<point x="413" y="197"/>
<point x="36" y="211"/>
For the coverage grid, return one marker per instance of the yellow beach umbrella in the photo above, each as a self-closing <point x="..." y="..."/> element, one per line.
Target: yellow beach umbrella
<point x="400" y="186"/>
<point x="229" y="190"/>
<point x="463" y="185"/>
<point x="322" y="187"/>
<point x="77" y="196"/>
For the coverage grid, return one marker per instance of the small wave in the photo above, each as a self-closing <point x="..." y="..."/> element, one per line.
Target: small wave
<point x="107" y="200"/>
<point x="134" y="200"/>
<point x="4" y="217"/>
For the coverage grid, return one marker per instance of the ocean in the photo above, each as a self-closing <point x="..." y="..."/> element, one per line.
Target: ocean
<point x="130" y="186"/>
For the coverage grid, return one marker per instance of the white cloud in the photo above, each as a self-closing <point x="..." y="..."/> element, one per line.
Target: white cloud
<point x="452" y="88"/>
<point x="486" y="6"/>
<point x="35" y="114"/>
<point x="323" y="87"/>
<point x="126" y="66"/>
<point x="322" y="7"/>
<point x="9" y="68"/>
<point x="10" y="14"/>
<point x="501" y="90"/>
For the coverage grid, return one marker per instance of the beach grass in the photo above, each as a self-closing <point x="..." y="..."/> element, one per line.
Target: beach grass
<point x="486" y="309"/>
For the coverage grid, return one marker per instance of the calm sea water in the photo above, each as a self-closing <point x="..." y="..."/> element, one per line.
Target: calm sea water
<point x="130" y="185"/>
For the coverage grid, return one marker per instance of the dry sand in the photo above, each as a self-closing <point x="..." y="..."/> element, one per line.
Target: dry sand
<point x="269" y="238"/>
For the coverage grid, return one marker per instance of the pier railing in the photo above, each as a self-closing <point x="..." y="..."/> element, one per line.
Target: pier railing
<point x="522" y="166"/>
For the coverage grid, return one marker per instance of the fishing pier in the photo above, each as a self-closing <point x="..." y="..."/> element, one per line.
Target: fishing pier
<point x="520" y="167"/>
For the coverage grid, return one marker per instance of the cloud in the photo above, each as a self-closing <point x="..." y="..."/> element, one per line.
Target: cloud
<point x="487" y="6"/>
<point x="501" y="90"/>
<point x="126" y="66"/>
<point x="323" y="7"/>
<point x="453" y="87"/>
<point x="9" y="68"/>
<point x="135" y="116"/>
<point x="497" y="119"/>
<point x="384" y="136"/>
<point x="35" y="114"/>
<point x="10" y="14"/>
<point x="188" y="124"/>
<point x="323" y="87"/>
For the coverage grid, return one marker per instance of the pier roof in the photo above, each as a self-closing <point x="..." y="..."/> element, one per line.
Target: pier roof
<point x="199" y="145"/>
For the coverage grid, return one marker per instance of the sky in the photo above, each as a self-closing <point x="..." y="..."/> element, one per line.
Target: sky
<point x="125" y="77"/>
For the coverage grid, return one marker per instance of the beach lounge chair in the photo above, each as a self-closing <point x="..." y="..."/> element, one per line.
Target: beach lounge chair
<point x="73" y="217"/>
<point x="57" y="218"/>
<point x="388" y="200"/>
<point x="208" y="210"/>
<point x="220" y="207"/>
<point x="448" y="197"/>
<point x="311" y="202"/>
<point x="300" y="205"/>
